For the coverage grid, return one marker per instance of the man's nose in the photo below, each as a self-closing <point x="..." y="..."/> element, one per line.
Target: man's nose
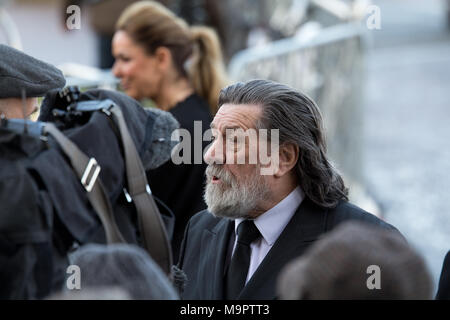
<point x="215" y="153"/>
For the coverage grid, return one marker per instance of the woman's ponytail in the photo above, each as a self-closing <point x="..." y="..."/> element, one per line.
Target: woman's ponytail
<point x="206" y="69"/>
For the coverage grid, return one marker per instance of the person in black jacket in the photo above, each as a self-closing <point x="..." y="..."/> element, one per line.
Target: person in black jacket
<point x="276" y="207"/>
<point x="443" y="292"/>
<point x="158" y="56"/>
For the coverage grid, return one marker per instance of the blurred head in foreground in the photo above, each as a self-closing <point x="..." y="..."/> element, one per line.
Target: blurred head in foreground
<point x="356" y="261"/>
<point x="119" y="271"/>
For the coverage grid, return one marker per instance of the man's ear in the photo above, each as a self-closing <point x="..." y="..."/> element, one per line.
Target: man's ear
<point x="289" y="154"/>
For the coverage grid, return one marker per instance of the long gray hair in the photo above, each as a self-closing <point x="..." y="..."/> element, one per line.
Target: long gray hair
<point x="299" y="122"/>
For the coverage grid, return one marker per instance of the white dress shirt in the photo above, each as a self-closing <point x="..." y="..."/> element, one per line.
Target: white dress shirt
<point x="270" y="224"/>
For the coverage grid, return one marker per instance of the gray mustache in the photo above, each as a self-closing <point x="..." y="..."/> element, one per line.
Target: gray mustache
<point x="219" y="172"/>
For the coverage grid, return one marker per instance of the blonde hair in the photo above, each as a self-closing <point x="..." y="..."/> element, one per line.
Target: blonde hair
<point x="196" y="51"/>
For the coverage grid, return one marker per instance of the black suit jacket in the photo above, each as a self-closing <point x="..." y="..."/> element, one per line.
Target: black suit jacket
<point x="207" y="240"/>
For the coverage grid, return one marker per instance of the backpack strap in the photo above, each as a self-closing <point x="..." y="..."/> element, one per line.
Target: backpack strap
<point x="151" y="226"/>
<point x="87" y="170"/>
<point x="153" y="232"/>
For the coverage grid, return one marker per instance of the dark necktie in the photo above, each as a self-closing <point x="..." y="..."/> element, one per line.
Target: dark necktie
<point x="247" y="232"/>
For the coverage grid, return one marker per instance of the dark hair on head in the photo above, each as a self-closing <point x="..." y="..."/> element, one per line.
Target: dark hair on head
<point x="337" y="267"/>
<point x="299" y="122"/>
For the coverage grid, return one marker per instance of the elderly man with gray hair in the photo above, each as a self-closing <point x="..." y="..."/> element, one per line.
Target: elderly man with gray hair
<point x="262" y="214"/>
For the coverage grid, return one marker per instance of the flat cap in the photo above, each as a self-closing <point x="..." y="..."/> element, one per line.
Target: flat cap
<point x="20" y="71"/>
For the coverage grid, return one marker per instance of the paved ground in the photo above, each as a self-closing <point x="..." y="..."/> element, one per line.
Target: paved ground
<point x="407" y="124"/>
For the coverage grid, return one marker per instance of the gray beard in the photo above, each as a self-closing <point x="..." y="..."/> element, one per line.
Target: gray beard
<point x="232" y="200"/>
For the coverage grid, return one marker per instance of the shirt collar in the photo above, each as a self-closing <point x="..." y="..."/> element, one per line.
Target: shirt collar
<point x="272" y="222"/>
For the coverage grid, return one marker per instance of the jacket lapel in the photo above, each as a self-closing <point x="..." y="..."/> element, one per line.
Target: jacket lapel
<point x="215" y="245"/>
<point x="306" y="226"/>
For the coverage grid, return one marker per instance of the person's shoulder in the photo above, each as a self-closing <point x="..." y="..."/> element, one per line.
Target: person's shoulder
<point x="443" y="291"/>
<point x="348" y="211"/>
<point x="447" y="258"/>
<point x="203" y="220"/>
<point x="193" y="108"/>
<point x="197" y="225"/>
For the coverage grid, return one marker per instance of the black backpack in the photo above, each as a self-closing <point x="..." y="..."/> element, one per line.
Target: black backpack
<point x="77" y="176"/>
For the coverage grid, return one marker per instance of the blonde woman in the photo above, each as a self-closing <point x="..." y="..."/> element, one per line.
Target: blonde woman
<point x="158" y="56"/>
